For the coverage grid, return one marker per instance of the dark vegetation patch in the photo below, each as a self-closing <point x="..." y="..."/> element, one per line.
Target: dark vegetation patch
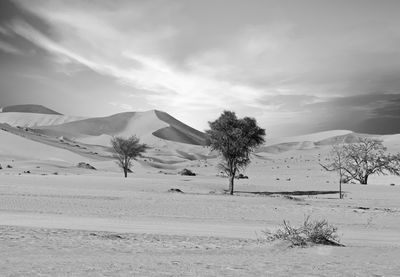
<point x="186" y="172"/>
<point x="86" y="166"/>
<point x="175" y="190"/>
<point x="296" y="193"/>
<point x="241" y="176"/>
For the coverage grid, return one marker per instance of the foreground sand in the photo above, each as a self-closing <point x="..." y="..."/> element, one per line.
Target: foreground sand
<point x="60" y="220"/>
<point x="101" y="224"/>
<point x="60" y="252"/>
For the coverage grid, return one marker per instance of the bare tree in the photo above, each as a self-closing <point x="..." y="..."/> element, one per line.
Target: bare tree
<point x="235" y="139"/>
<point x="364" y="158"/>
<point x="339" y="156"/>
<point x="125" y="150"/>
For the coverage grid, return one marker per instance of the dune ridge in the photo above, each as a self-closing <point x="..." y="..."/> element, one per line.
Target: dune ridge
<point x="320" y="139"/>
<point x="151" y="126"/>
<point x="29" y="108"/>
<point x="178" y="131"/>
<point x="21" y="148"/>
<point x="33" y="120"/>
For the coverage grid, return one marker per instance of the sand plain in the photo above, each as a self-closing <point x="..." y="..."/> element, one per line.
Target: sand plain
<point x="61" y="220"/>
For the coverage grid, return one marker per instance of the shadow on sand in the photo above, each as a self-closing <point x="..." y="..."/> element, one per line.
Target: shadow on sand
<point x="295" y="193"/>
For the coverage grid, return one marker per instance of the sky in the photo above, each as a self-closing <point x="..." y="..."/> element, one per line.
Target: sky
<point x="296" y="66"/>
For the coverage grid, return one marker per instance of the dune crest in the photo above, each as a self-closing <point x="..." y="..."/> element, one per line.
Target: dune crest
<point x="151" y="127"/>
<point x="30" y="108"/>
<point x="33" y="120"/>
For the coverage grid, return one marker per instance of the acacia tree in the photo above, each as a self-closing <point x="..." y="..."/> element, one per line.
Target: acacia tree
<point x="125" y="150"/>
<point x="364" y="158"/>
<point x="235" y="139"/>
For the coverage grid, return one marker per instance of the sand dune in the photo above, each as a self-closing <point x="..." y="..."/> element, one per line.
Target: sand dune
<point x="177" y="131"/>
<point x="29" y="109"/>
<point x="20" y="148"/>
<point x="328" y="138"/>
<point x="33" y="120"/>
<point x="313" y="137"/>
<point x="152" y="127"/>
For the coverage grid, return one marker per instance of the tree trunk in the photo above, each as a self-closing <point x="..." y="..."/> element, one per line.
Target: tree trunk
<point x="231" y="180"/>
<point x="340" y="184"/>
<point x="364" y="180"/>
<point x="126" y="172"/>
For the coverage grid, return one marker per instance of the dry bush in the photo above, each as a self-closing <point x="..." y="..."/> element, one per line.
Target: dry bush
<point x="311" y="232"/>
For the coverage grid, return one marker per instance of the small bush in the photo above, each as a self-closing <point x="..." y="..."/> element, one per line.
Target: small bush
<point x="186" y="172"/>
<point x="175" y="190"/>
<point x="86" y="166"/>
<point x="311" y="232"/>
<point x="241" y="176"/>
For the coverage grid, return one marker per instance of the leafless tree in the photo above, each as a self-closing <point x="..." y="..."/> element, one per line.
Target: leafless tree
<point x="338" y="155"/>
<point x="359" y="160"/>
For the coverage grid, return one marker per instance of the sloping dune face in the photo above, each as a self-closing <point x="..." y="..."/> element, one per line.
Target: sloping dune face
<point x="349" y="138"/>
<point x="140" y="124"/>
<point x="110" y="125"/>
<point x="29" y="109"/>
<point x="33" y="120"/>
<point x="313" y="137"/>
<point x="151" y="127"/>
<point x="178" y="131"/>
<point x="16" y="147"/>
<point x="328" y="138"/>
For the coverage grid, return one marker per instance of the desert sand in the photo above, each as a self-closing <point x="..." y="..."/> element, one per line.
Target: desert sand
<point x="57" y="219"/>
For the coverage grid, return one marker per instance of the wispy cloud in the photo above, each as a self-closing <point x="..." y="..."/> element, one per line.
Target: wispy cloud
<point x="195" y="58"/>
<point x="122" y="106"/>
<point x="178" y="88"/>
<point x="8" y="48"/>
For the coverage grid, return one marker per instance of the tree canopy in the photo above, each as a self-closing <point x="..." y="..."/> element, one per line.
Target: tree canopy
<point x="125" y="150"/>
<point x="235" y="139"/>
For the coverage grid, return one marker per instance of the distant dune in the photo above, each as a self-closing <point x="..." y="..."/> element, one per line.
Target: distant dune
<point x="35" y="119"/>
<point x="328" y="138"/>
<point x="158" y="129"/>
<point x="150" y="126"/>
<point x="29" y="109"/>
<point x="97" y="126"/>
<point x="313" y="137"/>
<point x="20" y="148"/>
<point x="177" y="131"/>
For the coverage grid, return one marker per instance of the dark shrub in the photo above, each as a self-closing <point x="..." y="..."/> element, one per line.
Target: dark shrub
<point x="186" y="172"/>
<point x="86" y="165"/>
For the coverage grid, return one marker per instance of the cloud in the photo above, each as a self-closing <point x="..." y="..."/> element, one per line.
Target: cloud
<point x="179" y="89"/>
<point x="284" y="64"/>
<point x="360" y="113"/>
<point x="8" y="48"/>
<point x="4" y="31"/>
<point x="122" y="106"/>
